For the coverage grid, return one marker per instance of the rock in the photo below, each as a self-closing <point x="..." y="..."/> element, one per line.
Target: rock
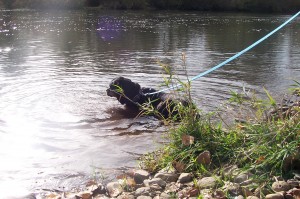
<point x="125" y="196"/>
<point x="140" y="175"/>
<point x="252" y="197"/>
<point x="185" y="177"/>
<point x="207" y="182"/>
<point x="114" y="189"/>
<point x="275" y="196"/>
<point x="102" y="196"/>
<point x="242" y="177"/>
<point x="218" y="194"/>
<point x="233" y="189"/>
<point x="239" y="197"/>
<point x="144" y="197"/>
<point x="155" y="181"/>
<point x="164" y="196"/>
<point x="280" y="186"/>
<point x="168" y="177"/>
<point x="246" y="192"/>
<point x="145" y="191"/>
<point x="293" y="183"/>
<point x="204" y="158"/>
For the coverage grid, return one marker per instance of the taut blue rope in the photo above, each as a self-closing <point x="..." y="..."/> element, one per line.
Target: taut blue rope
<point x="233" y="57"/>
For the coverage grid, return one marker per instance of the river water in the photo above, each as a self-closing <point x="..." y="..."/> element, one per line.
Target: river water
<point x="57" y="126"/>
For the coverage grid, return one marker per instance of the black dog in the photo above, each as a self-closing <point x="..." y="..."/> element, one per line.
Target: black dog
<point x="133" y="95"/>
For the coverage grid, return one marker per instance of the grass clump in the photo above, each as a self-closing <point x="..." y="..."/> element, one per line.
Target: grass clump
<point x="264" y="140"/>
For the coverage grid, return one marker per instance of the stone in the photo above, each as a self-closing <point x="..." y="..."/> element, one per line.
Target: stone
<point x="125" y="196"/>
<point x="155" y="181"/>
<point x="185" y="178"/>
<point x="293" y="183"/>
<point x="204" y="158"/>
<point x="280" y="186"/>
<point x="167" y="177"/>
<point x="239" y="197"/>
<point x="144" y="197"/>
<point x="252" y="197"/>
<point x="114" y="189"/>
<point x="229" y="171"/>
<point x="242" y="177"/>
<point x="275" y="196"/>
<point x="102" y="196"/>
<point x="218" y="194"/>
<point x="143" y="191"/>
<point x="207" y="182"/>
<point x="164" y="196"/>
<point x="234" y="189"/>
<point x="140" y="175"/>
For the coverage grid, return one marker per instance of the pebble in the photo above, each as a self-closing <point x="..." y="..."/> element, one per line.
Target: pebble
<point x="185" y="178"/>
<point x="280" y="186"/>
<point x="114" y="189"/>
<point x="140" y="175"/>
<point x="275" y="196"/>
<point x="168" y="177"/>
<point x="207" y="182"/>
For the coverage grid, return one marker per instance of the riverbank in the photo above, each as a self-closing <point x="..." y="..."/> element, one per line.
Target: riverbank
<point x="280" y="6"/>
<point x="257" y="156"/>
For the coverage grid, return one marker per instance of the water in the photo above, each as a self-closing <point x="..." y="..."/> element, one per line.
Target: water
<point x="57" y="126"/>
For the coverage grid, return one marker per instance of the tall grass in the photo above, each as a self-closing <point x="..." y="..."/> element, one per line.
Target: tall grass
<point x="265" y="141"/>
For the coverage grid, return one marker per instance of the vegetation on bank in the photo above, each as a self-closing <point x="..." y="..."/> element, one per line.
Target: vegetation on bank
<point x="264" y="138"/>
<point x="202" y="5"/>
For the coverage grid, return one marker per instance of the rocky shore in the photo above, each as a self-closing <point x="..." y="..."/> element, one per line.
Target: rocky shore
<point x="231" y="182"/>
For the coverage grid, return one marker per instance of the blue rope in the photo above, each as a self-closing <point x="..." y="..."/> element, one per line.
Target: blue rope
<point x="233" y="57"/>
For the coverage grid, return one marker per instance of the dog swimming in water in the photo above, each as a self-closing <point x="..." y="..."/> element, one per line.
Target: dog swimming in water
<point x="132" y="94"/>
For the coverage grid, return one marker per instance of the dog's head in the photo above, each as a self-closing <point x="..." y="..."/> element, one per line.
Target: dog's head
<point x="124" y="90"/>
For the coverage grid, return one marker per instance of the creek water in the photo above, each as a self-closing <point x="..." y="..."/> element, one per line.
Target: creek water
<point x="57" y="126"/>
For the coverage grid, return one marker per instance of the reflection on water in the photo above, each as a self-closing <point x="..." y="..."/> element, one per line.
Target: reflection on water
<point x="56" y="122"/>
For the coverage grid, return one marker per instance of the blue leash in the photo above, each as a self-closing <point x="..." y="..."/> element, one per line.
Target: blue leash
<point x="231" y="58"/>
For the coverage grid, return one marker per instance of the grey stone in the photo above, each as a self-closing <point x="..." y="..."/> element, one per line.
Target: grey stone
<point x="144" y="197"/>
<point x="185" y="178"/>
<point x="145" y="191"/>
<point x="140" y="175"/>
<point x="114" y="189"/>
<point x="280" y="186"/>
<point x="242" y="177"/>
<point x="275" y="196"/>
<point x="207" y="182"/>
<point x="164" y="196"/>
<point x="155" y="181"/>
<point x="125" y="196"/>
<point x="168" y="177"/>
<point x="231" y="170"/>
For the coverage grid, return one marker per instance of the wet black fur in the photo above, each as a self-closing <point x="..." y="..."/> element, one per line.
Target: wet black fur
<point x="134" y="95"/>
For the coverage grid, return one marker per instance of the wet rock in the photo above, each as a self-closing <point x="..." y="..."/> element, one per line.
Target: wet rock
<point x="185" y="177"/>
<point x="143" y="191"/>
<point x="207" y="182"/>
<point x="275" y="196"/>
<point x="140" y="175"/>
<point x="155" y="181"/>
<point x="167" y="177"/>
<point x="280" y="186"/>
<point x="204" y="158"/>
<point x="114" y="189"/>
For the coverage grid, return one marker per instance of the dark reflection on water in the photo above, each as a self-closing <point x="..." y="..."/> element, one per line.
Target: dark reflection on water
<point x="55" y="117"/>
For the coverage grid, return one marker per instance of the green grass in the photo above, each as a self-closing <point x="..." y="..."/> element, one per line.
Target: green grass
<point x="266" y="145"/>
